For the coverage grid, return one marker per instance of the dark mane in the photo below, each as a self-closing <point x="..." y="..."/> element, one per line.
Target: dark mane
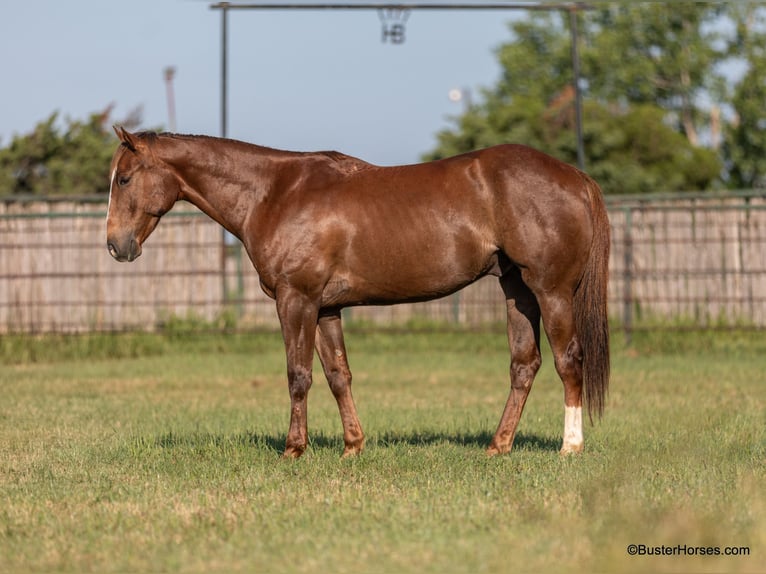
<point x="151" y="135"/>
<point x="339" y="160"/>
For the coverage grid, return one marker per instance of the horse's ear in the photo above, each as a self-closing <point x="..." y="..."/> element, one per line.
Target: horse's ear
<point x="125" y="137"/>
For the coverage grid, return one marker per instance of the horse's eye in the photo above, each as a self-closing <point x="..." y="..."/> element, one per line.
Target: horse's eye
<point x="123" y="180"/>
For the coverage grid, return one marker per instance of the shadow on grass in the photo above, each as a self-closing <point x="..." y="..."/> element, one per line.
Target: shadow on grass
<point x="479" y="440"/>
<point x="276" y="442"/>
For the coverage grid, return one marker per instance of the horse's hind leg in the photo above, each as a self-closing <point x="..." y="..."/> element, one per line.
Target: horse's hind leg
<point x="332" y="353"/>
<point x="524" y="341"/>
<point x="558" y="319"/>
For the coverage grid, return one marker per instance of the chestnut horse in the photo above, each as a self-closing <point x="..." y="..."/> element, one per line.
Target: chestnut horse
<point x="326" y="231"/>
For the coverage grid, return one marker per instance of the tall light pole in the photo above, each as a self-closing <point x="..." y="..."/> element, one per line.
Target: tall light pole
<point x="464" y="95"/>
<point x="170" y="73"/>
<point x="577" y="87"/>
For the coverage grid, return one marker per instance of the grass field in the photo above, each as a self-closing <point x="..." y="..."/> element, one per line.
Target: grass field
<point x="161" y="453"/>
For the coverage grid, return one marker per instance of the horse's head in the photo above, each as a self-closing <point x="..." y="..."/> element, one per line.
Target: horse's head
<point x="142" y="189"/>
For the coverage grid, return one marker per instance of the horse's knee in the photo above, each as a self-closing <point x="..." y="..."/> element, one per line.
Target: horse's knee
<point x="523" y="371"/>
<point x="299" y="382"/>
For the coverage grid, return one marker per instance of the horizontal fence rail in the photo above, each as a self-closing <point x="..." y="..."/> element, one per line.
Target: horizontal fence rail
<point x="697" y="261"/>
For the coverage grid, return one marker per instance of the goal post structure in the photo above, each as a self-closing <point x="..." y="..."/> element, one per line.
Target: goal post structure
<point x="393" y="17"/>
<point x="396" y="35"/>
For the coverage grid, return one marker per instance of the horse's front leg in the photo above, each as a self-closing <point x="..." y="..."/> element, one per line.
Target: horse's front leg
<point x="298" y="317"/>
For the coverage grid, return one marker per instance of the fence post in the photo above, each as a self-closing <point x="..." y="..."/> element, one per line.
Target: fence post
<point x="456" y="308"/>
<point x="627" y="300"/>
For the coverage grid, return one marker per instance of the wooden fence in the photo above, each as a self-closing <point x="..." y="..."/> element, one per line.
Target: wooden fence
<point x="699" y="261"/>
<point x="694" y="260"/>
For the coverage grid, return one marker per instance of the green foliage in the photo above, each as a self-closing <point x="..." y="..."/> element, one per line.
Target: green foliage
<point x="544" y="37"/>
<point x="636" y="152"/>
<point x="72" y="159"/>
<point x="175" y="326"/>
<point x="745" y="138"/>
<point x="28" y="349"/>
<point x="663" y="54"/>
<point x="176" y="336"/>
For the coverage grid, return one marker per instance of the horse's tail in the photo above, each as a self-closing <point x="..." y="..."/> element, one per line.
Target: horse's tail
<point x="590" y="308"/>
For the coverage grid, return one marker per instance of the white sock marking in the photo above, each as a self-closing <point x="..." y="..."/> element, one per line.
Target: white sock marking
<point x="573" y="440"/>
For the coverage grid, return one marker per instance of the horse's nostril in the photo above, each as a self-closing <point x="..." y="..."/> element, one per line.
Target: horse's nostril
<point x="112" y="250"/>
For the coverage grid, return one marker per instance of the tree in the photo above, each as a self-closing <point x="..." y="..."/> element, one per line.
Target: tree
<point x="658" y="53"/>
<point x="636" y="114"/>
<point x="49" y="161"/>
<point x="745" y="137"/>
<point x="635" y="151"/>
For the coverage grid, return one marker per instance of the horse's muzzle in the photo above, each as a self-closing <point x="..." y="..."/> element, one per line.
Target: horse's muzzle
<point x="122" y="251"/>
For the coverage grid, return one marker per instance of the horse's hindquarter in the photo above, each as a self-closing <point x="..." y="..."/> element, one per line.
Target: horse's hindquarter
<point x="543" y="219"/>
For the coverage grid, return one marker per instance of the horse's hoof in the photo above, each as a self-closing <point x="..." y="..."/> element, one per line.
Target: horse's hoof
<point x="292" y="452"/>
<point x="493" y="450"/>
<point x="568" y="449"/>
<point x="353" y="447"/>
<point x="350" y="452"/>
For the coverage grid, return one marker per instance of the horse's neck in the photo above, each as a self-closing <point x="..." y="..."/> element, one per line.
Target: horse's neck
<point x="230" y="180"/>
<point x="226" y="179"/>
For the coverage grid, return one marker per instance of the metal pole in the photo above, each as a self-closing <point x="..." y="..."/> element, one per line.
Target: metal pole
<point x="170" y="72"/>
<point x="578" y="92"/>
<point x="627" y="292"/>
<point x="403" y="6"/>
<point x="224" y="112"/>
<point x="224" y="66"/>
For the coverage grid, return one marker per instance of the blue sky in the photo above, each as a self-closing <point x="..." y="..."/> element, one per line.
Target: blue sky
<point x="298" y="80"/>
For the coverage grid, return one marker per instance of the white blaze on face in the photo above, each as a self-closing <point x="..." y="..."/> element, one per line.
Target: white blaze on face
<point x="111" y="185"/>
<point x="573" y="440"/>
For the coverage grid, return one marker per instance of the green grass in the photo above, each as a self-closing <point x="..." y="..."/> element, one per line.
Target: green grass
<point x="155" y="453"/>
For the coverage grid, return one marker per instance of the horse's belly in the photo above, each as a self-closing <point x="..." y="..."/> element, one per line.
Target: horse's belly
<point x="346" y="294"/>
<point x="408" y="277"/>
